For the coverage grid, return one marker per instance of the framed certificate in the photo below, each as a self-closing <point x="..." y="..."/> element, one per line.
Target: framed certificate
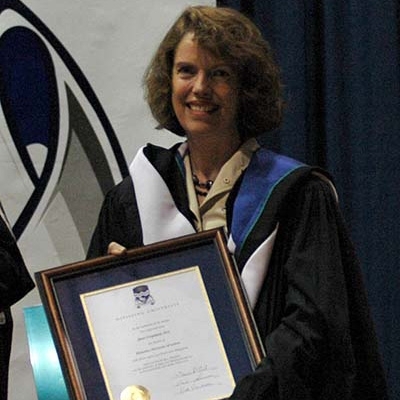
<point x="166" y="321"/>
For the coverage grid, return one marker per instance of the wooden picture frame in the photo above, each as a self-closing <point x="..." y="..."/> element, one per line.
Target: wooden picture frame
<point x="188" y="295"/>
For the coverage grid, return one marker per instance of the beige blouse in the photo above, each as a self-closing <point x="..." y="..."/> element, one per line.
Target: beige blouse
<point x="212" y="212"/>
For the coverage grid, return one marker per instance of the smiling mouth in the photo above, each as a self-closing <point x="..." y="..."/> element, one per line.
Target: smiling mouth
<point x="206" y="108"/>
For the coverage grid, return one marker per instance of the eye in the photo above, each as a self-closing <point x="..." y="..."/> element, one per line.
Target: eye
<point x="185" y="70"/>
<point x="222" y="73"/>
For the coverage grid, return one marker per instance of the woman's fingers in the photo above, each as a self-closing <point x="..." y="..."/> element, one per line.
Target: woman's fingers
<point x="116" y="249"/>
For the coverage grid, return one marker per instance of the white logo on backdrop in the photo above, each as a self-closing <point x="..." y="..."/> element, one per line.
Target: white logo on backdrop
<point x="58" y="151"/>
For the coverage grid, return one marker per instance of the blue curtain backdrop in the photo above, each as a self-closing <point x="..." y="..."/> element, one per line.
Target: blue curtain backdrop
<point x="340" y="62"/>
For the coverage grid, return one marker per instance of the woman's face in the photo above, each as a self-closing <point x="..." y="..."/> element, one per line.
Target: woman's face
<point x="204" y="91"/>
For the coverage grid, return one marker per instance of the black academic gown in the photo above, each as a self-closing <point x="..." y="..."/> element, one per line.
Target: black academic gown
<point x="311" y="308"/>
<point x="15" y="283"/>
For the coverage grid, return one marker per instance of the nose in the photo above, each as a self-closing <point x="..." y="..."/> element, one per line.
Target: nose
<point x="201" y="85"/>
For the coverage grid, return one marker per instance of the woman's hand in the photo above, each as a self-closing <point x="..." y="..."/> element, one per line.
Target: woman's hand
<point x="115" y="249"/>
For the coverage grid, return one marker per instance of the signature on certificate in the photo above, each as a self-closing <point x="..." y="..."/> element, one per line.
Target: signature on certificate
<point x="196" y="378"/>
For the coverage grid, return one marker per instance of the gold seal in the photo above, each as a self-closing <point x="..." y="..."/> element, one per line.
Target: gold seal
<point x="135" y="392"/>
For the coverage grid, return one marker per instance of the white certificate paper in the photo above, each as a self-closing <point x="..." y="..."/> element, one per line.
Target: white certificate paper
<point x="159" y="333"/>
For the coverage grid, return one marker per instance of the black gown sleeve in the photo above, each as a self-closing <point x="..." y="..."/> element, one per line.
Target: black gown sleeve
<point x="312" y="312"/>
<point x="118" y="221"/>
<point x="15" y="280"/>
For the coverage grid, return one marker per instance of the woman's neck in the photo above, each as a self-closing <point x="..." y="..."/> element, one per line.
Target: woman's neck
<point x="207" y="156"/>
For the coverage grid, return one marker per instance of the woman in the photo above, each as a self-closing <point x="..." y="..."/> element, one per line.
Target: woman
<point x="213" y="80"/>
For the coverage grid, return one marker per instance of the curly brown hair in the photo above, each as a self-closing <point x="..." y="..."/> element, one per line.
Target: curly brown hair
<point x="229" y="35"/>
